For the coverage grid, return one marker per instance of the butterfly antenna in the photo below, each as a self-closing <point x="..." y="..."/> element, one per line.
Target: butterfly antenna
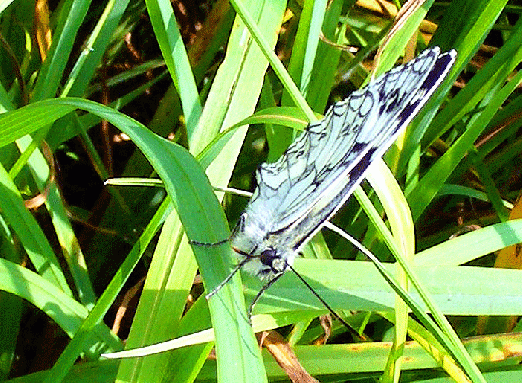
<point x="258" y="295"/>
<point x="328" y="307"/>
<point x="228" y="278"/>
<point x="352" y="240"/>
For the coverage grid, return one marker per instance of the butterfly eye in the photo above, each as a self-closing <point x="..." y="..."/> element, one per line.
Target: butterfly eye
<point x="273" y="259"/>
<point x="268" y="256"/>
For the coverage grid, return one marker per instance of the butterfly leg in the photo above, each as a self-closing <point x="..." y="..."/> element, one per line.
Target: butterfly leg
<point x="207" y="244"/>
<point x="258" y="295"/>
<point x="328" y="307"/>
<point x="228" y="278"/>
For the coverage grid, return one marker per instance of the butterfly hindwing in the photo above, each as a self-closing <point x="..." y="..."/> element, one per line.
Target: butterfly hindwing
<point x="320" y="169"/>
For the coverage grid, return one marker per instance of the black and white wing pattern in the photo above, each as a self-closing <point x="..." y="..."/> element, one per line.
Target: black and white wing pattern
<point x="320" y="169"/>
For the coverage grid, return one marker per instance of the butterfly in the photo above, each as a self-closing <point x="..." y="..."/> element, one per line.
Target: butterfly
<point x="318" y="172"/>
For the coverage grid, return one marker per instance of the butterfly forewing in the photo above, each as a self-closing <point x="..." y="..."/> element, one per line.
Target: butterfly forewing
<point x="319" y="171"/>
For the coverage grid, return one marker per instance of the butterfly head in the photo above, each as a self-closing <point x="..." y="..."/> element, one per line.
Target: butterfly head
<point x="259" y="251"/>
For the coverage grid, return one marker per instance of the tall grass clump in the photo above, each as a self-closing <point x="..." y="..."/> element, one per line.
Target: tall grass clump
<point x="124" y="123"/>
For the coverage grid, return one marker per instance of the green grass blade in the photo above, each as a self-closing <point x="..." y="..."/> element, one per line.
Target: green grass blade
<point x="176" y="58"/>
<point x="70" y="247"/>
<point x="31" y="235"/>
<point x="427" y="188"/>
<point x="493" y="73"/>
<point x="276" y="64"/>
<point x="61" y="307"/>
<point x="473" y="245"/>
<point x="465" y="34"/>
<point x="70" y="19"/>
<point x="82" y="337"/>
<point x="94" y="49"/>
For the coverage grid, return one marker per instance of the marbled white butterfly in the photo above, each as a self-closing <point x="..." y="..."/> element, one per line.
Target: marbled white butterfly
<point x="320" y="169"/>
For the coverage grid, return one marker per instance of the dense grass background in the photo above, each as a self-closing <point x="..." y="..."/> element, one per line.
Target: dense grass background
<point x="81" y="85"/>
